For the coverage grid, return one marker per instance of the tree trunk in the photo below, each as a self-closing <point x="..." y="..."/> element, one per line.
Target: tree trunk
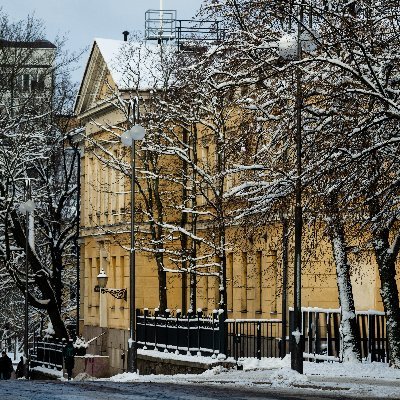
<point x="222" y="271"/>
<point x="162" y="283"/>
<point x="193" y="249"/>
<point x="57" y="283"/>
<point x="350" y="345"/>
<point x="57" y="322"/>
<point x="183" y="224"/>
<point x="386" y="260"/>
<point x="42" y="282"/>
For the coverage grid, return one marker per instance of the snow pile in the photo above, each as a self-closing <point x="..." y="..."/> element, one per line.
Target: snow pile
<point x="265" y="363"/>
<point x="217" y="370"/>
<point x="287" y="377"/>
<point x="126" y="377"/>
<point x="83" y="376"/>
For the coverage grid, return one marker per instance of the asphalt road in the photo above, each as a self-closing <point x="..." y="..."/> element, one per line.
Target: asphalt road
<point x="57" y="390"/>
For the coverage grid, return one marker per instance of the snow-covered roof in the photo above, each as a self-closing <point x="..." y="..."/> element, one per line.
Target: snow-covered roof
<point x="133" y="65"/>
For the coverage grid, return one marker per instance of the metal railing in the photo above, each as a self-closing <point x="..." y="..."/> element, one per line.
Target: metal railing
<point x="204" y="31"/>
<point x="208" y="335"/>
<point x="46" y="354"/>
<point x="182" y="334"/>
<point x="373" y="338"/>
<point x="254" y="338"/>
<point x="322" y="338"/>
<point x="163" y="25"/>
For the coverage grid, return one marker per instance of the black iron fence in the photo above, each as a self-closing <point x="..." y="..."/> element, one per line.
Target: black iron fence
<point x="374" y="342"/>
<point x="254" y="338"/>
<point x="322" y="338"/>
<point x="46" y="354"/>
<point x="208" y="335"/>
<point x="196" y="333"/>
<point x="183" y="334"/>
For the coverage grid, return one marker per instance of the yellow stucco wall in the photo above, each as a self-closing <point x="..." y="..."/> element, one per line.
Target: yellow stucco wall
<point x="254" y="260"/>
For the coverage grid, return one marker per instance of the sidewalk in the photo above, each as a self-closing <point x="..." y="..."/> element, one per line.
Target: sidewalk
<point x="366" y="380"/>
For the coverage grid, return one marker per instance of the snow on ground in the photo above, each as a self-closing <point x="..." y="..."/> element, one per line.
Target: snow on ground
<point x="48" y="371"/>
<point x="375" y="370"/>
<point x="366" y="380"/>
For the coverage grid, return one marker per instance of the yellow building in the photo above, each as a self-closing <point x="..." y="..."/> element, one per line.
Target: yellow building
<point x="254" y="260"/>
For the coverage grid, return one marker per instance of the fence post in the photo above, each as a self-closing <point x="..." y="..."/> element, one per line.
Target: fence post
<point x="371" y="336"/>
<point x="378" y="338"/>
<point x="199" y="315"/>
<point x="156" y="311"/>
<point x="167" y="314"/>
<point x="214" y="317"/>
<point x="44" y="351"/>
<point x="258" y="340"/>
<point x="291" y="322"/>
<point x="178" y="315"/>
<point x="310" y="334"/>
<point x="236" y="340"/>
<point x="189" y="314"/>
<point x="223" y="333"/>
<point x="59" y="355"/>
<point x="328" y="335"/>
<point x="317" y="346"/>
<point x="145" y="315"/>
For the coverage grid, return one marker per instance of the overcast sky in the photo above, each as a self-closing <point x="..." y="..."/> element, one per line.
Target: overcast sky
<point x="83" y="20"/>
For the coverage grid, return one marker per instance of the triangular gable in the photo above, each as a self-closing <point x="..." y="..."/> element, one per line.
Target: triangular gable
<point x="96" y="77"/>
<point x="126" y="66"/>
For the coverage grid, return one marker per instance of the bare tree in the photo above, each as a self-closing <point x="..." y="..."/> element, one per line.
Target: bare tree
<point x="34" y="94"/>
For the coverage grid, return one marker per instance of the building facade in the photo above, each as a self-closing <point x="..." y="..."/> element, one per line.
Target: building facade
<point x="254" y="257"/>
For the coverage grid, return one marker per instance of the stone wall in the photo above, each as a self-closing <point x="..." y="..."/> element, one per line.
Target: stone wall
<point x="113" y="344"/>
<point x="110" y="342"/>
<point x="96" y="366"/>
<point x="150" y="364"/>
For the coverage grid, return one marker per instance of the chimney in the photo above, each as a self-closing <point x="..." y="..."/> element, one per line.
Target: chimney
<point x="125" y="33"/>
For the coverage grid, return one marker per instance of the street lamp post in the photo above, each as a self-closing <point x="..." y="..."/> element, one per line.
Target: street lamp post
<point x="77" y="246"/>
<point x="27" y="207"/>
<point x="297" y="348"/>
<point x="290" y="48"/>
<point x="129" y="138"/>
<point x="75" y="140"/>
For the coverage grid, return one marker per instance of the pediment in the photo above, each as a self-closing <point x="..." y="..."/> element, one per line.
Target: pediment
<point x="97" y="83"/>
<point x="116" y="65"/>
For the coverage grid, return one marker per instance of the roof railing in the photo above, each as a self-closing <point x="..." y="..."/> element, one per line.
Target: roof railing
<point x="163" y="25"/>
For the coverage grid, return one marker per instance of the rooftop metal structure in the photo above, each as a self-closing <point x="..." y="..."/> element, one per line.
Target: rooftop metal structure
<point x="163" y="25"/>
